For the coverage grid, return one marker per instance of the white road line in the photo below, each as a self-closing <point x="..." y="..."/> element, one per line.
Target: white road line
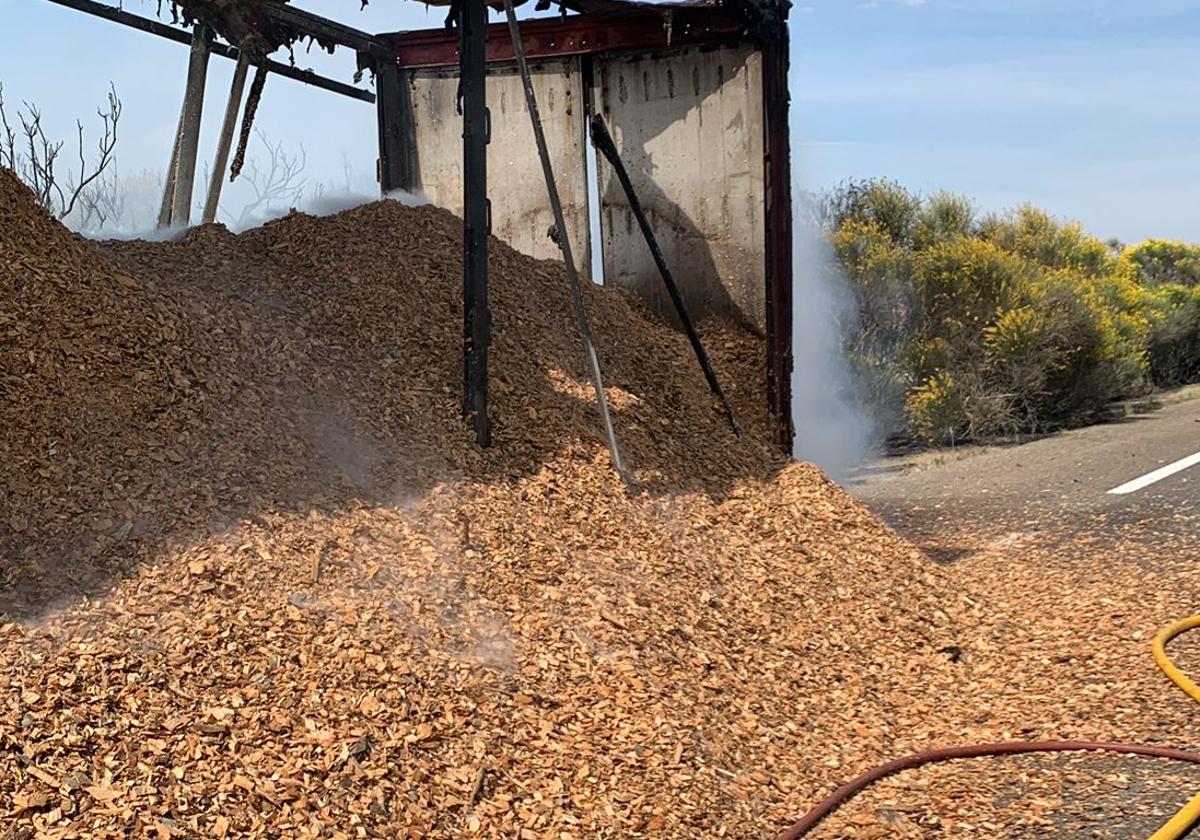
<point x="1158" y="475"/>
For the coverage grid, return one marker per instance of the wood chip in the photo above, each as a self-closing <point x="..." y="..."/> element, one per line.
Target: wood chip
<point x="703" y="654"/>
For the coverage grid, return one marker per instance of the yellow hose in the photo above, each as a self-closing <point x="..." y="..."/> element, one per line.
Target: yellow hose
<point x="1179" y="824"/>
<point x="1189" y="815"/>
<point x="1160" y="655"/>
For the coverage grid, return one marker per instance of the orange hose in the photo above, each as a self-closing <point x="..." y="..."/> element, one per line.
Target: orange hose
<point x="830" y="803"/>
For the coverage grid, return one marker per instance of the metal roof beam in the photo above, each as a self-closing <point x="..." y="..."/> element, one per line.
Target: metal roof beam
<point x="324" y="30"/>
<point x="162" y="30"/>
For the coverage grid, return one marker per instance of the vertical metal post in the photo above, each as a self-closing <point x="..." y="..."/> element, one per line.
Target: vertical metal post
<point x="225" y="144"/>
<point x="564" y="241"/>
<point x="477" y="319"/>
<point x="168" y="199"/>
<point x="778" y="217"/>
<point x="189" y="125"/>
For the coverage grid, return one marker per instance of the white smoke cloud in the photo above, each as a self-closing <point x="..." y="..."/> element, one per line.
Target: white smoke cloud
<point x="833" y="430"/>
<point x="142" y="224"/>
<point x="329" y="204"/>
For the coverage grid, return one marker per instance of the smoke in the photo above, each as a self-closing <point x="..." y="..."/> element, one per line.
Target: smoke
<point x="328" y="204"/>
<point x="149" y="233"/>
<point x="833" y="429"/>
<point x="140" y="223"/>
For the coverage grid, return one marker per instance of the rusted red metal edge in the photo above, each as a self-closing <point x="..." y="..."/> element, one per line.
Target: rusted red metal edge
<point x="587" y="34"/>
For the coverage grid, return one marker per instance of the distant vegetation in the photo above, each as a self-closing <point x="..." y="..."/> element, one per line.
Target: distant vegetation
<point x="971" y="327"/>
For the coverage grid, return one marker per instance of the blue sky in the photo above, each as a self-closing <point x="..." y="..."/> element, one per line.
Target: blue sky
<point x="1088" y="109"/>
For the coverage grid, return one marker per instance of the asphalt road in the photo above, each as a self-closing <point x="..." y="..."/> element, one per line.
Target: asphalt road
<point x="1060" y="483"/>
<point x="1035" y="532"/>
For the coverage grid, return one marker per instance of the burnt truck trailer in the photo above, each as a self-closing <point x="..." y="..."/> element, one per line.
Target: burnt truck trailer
<point x="688" y="102"/>
<point x="695" y="97"/>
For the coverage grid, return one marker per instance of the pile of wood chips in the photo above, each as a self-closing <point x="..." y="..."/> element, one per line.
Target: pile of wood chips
<point x="258" y="581"/>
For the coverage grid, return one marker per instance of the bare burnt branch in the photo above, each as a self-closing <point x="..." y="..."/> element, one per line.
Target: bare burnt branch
<point x="8" y="140"/>
<point x="107" y="147"/>
<point x="282" y="182"/>
<point x="34" y="157"/>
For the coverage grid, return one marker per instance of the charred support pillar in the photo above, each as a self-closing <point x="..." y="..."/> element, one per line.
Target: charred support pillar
<point x="177" y="196"/>
<point x="477" y="320"/>
<point x="189" y="126"/>
<point x="225" y="143"/>
<point x="168" y="199"/>
<point x="778" y="183"/>
<point x="397" y="134"/>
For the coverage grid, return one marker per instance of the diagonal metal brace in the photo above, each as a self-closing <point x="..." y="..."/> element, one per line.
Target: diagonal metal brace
<point x="603" y="141"/>
<point x="564" y="241"/>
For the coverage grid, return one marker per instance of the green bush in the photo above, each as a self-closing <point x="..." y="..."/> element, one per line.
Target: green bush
<point x="880" y="203"/>
<point x="937" y="408"/>
<point x="887" y="313"/>
<point x="888" y="307"/>
<point x="963" y="283"/>
<point x="1157" y="262"/>
<point x="1018" y="323"/>
<point x="944" y="216"/>
<point x="1090" y="349"/>
<point x="1039" y="237"/>
<point x="1173" y="343"/>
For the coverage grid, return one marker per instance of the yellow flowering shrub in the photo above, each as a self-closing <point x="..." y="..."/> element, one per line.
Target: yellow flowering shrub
<point x="1040" y="238"/>
<point x="1173" y="334"/>
<point x="1016" y="323"/>
<point x="1158" y="262"/>
<point x="935" y="408"/>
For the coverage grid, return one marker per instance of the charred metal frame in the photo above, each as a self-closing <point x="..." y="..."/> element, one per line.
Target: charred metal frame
<point x="628" y="28"/>
<point x="780" y="258"/>
<point x="397" y="143"/>
<point x="603" y="26"/>
<point x="181" y="36"/>
<point x="604" y="144"/>
<point x="588" y="34"/>
<point x="477" y="318"/>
